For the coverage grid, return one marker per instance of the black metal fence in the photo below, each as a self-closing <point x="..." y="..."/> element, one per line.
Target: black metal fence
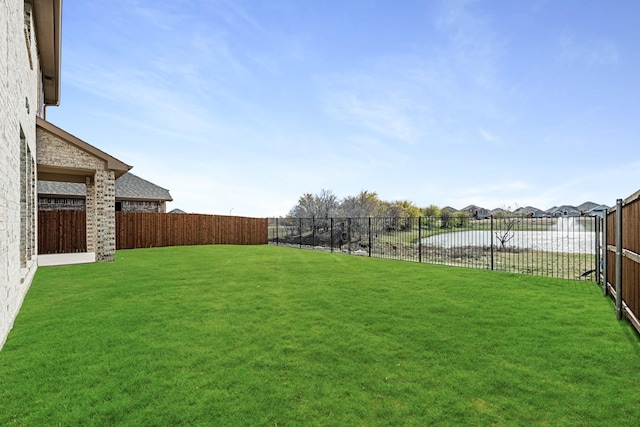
<point x="563" y="247"/>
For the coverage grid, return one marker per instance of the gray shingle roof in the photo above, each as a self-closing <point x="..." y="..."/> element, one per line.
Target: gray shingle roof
<point x="128" y="186"/>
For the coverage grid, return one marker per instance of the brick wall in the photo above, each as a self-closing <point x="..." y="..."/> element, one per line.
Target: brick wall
<point x="142" y="206"/>
<point x="18" y="108"/>
<point x="100" y="190"/>
<point x="77" y="204"/>
<point x="60" y="204"/>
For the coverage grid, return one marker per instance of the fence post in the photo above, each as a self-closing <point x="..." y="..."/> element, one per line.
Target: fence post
<point x="349" y="234"/>
<point x="331" y="240"/>
<point x="277" y="233"/>
<point x="313" y="231"/>
<point x="300" y="232"/>
<point x="619" y="259"/>
<point x="597" y="247"/>
<point x="419" y="239"/>
<point x="491" y="222"/>
<point x="370" y="239"/>
<point x="605" y="247"/>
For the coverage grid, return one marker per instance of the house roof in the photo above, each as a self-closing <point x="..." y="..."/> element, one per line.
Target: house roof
<point x="564" y="210"/>
<point x="568" y="208"/>
<point x="48" y="26"/>
<point x="587" y="206"/>
<point x="471" y="208"/>
<point x="599" y="208"/>
<point x="128" y="187"/>
<point x="528" y="209"/>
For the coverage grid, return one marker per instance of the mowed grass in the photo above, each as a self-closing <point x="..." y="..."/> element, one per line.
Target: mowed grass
<point x="266" y="336"/>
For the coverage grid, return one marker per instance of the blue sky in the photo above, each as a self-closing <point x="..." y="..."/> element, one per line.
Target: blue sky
<point x="243" y="106"/>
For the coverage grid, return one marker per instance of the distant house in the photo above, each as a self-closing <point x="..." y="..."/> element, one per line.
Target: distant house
<point x="564" y="210"/>
<point x="476" y="212"/>
<point x="530" y="212"/>
<point x="177" y="211"/>
<point x="598" y="210"/>
<point x="132" y="194"/>
<point x="586" y="207"/>
<point x="448" y="209"/>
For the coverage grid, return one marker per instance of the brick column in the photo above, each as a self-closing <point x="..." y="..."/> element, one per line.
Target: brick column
<point x="106" y="215"/>
<point x="92" y="217"/>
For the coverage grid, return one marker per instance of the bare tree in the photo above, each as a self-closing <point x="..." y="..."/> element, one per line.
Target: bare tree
<point x="364" y="205"/>
<point x="506" y="234"/>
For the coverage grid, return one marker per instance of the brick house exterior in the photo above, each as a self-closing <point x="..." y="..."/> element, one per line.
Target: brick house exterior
<point x="30" y="80"/>
<point x="65" y="158"/>
<point x="33" y="149"/>
<point x="132" y="194"/>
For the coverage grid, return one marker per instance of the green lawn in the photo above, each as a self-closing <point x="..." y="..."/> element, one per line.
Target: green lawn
<point x="272" y="336"/>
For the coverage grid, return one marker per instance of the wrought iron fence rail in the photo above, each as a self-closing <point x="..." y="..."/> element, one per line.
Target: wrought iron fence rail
<point x="556" y="247"/>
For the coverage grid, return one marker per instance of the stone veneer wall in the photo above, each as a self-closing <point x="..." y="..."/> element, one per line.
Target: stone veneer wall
<point x="142" y="206"/>
<point x="19" y="71"/>
<point x="60" y="204"/>
<point x="77" y="204"/>
<point x="100" y="199"/>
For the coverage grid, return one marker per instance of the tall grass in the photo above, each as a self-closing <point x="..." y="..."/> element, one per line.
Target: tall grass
<point x="225" y="335"/>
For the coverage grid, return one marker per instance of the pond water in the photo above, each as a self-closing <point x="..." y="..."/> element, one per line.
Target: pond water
<point x="565" y="236"/>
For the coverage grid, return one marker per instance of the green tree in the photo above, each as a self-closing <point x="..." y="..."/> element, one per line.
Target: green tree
<point x="431" y="211"/>
<point x="445" y="218"/>
<point x="461" y="219"/>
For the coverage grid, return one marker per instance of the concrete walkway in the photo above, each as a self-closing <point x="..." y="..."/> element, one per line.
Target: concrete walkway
<point x="66" y="259"/>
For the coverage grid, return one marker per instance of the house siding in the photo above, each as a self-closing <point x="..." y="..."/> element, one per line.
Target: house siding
<point x="47" y="203"/>
<point x="18" y="106"/>
<point x="143" y="206"/>
<point x="61" y="204"/>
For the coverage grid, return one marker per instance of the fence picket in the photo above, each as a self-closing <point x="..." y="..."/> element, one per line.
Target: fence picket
<point x="622" y="266"/>
<point x="65" y="231"/>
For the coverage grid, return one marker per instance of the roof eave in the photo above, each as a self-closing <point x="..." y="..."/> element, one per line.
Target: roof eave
<point x="48" y="28"/>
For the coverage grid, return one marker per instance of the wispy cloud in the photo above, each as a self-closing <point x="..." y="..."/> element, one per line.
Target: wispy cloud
<point x="473" y="47"/>
<point x="489" y="137"/>
<point x="589" y="50"/>
<point x="387" y="117"/>
<point x="427" y="95"/>
<point x="447" y="102"/>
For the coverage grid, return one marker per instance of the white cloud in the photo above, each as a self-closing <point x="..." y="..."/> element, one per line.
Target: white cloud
<point x="489" y="137"/>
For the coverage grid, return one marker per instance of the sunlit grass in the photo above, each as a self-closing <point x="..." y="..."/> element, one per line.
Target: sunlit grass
<point x="225" y="335"/>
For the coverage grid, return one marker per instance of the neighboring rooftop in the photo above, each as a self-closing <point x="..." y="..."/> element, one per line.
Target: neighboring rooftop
<point x="128" y="186"/>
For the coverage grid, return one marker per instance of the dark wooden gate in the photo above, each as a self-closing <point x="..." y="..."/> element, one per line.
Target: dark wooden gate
<point x="62" y="232"/>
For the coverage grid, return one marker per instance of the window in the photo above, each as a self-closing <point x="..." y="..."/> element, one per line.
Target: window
<point x="118" y="206"/>
<point x="27" y="202"/>
<point x="23" y="199"/>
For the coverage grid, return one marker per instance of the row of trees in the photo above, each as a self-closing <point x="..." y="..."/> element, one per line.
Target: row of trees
<point x="367" y="204"/>
<point x="320" y="207"/>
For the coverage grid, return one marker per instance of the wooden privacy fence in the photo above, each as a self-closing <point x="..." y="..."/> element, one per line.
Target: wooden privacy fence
<point x="146" y="230"/>
<point x="62" y="232"/>
<point x="65" y="231"/>
<point x="622" y="260"/>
